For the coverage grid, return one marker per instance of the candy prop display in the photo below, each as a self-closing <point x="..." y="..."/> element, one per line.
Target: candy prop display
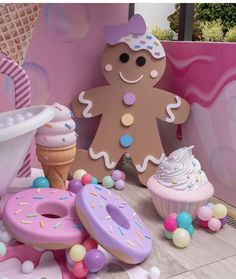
<point x="22" y="98"/>
<point x="44" y="218"/>
<point x="179" y="228"/>
<point x="17" y="24"/>
<point x="133" y="62"/>
<point x="180" y="184"/>
<point x="212" y="217"/>
<point x="117" y="179"/>
<point x="113" y="224"/>
<point x="56" y="146"/>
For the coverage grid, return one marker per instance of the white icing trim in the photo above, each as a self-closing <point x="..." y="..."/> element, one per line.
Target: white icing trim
<point x="102" y="154"/>
<point x="87" y="102"/>
<point x="147" y="159"/>
<point x="171" y="116"/>
<point x="130" y="81"/>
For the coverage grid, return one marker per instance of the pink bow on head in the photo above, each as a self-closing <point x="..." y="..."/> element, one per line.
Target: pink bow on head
<point x="136" y="26"/>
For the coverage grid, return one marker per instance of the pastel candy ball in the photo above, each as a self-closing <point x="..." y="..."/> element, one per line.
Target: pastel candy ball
<point x="154" y="273"/>
<point x="210" y="205"/>
<point x="219" y="211"/>
<point x="181" y="238"/>
<point x="108" y="182"/>
<point x="170" y="224"/>
<point x="204" y="213"/>
<point x="184" y="219"/>
<point x="86" y="178"/>
<point x="116" y="175"/>
<point x="89" y="244"/>
<point x="80" y="270"/>
<point x="172" y="215"/>
<point x="123" y="176"/>
<point x="223" y="221"/>
<point x="5" y="237"/>
<point x="27" y="267"/>
<point x="3" y="249"/>
<point x="77" y="253"/>
<point x="75" y="186"/>
<point x="41" y="182"/>
<point x="214" y="224"/>
<point x="120" y="184"/>
<point x="78" y="174"/>
<point x="190" y="230"/>
<point x="94" y="260"/>
<point x="168" y="235"/>
<point x="94" y="180"/>
<point x="203" y="224"/>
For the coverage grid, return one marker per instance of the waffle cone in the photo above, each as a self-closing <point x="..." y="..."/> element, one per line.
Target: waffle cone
<point x="56" y="163"/>
<point x="17" y="22"/>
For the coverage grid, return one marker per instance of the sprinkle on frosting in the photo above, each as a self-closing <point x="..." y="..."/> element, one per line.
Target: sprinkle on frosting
<point x="32" y="215"/>
<point x="57" y="225"/>
<point x="181" y="171"/>
<point x="93" y="205"/>
<point x="18" y="211"/>
<point x="23" y="203"/>
<point x="138" y="224"/>
<point x="93" y="193"/>
<point x="41" y="223"/>
<point x="120" y="230"/>
<point x="20" y="197"/>
<point x="26" y="222"/>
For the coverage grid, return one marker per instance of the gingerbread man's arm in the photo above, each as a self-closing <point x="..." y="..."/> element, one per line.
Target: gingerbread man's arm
<point x="171" y="108"/>
<point x="89" y="103"/>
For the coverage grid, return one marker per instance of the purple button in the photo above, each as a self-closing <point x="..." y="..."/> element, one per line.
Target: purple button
<point x="129" y="98"/>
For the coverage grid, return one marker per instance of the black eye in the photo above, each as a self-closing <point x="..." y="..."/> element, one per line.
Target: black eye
<point x="124" y="57"/>
<point x="140" y="61"/>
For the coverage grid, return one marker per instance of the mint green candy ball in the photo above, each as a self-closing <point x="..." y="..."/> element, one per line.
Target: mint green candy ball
<point x="108" y="182"/>
<point x="3" y="249"/>
<point x="168" y="235"/>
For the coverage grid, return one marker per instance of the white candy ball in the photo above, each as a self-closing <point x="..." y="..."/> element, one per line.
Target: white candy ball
<point x="5" y="237"/>
<point x="154" y="273"/>
<point x="28" y="115"/>
<point x="27" y="267"/>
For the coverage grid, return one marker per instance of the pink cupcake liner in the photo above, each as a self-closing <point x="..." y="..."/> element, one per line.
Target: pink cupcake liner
<point x="167" y="200"/>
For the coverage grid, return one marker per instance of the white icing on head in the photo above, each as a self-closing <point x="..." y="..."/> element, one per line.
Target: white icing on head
<point x="146" y="41"/>
<point x="181" y="171"/>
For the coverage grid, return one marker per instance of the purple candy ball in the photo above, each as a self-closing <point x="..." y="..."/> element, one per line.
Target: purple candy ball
<point x="223" y="221"/>
<point x="120" y="184"/>
<point x="75" y="186"/>
<point x="94" y="260"/>
<point x="116" y="175"/>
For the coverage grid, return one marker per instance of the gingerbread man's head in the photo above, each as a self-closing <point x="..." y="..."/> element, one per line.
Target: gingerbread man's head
<point x="132" y="56"/>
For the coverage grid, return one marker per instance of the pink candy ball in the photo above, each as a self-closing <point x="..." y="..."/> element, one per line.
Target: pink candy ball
<point x="214" y="224"/>
<point x="170" y="224"/>
<point x="86" y="178"/>
<point x="79" y="269"/>
<point x="123" y="176"/>
<point x="204" y="213"/>
<point x="120" y="184"/>
<point x="172" y="215"/>
<point x="203" y="224"/>
<point x="89" y="244"/>
<point x="116" y="175"/>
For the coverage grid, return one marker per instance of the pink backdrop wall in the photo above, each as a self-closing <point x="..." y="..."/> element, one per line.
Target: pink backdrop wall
<point x="205" y="75"/>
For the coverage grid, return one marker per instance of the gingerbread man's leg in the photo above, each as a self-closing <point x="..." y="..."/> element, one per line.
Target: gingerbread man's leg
<point x="146" y="163"/>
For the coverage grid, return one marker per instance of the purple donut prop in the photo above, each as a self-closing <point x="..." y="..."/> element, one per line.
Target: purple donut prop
<point x="113" y="224"/>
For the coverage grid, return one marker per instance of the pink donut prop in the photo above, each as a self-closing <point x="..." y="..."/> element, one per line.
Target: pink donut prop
<point x="44" y="218"/>
<point x="113" y="224"/>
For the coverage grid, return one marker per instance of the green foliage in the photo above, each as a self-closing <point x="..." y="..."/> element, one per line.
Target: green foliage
<point x="163" y="34"/>
<point x="218" y="11"/>
<point x="230" y="36"/>
<point x="212" y="31"/>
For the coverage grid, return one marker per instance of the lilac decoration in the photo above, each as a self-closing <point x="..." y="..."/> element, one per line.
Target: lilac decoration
<point x="135" y="26"/>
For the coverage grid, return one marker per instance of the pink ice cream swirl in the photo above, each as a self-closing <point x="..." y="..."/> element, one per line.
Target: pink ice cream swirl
<point x="60" y="132"/>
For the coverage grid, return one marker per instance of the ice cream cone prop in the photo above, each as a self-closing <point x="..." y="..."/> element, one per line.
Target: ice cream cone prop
<point x="17" y="23"/>
<point x="56" y="163"/>
<point x="56" y="146"/>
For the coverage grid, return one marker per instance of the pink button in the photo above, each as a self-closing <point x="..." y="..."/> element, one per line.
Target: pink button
<point x="129" y="98"/>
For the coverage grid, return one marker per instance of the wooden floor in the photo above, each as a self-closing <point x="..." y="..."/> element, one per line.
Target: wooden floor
<point x="209" y="255"/>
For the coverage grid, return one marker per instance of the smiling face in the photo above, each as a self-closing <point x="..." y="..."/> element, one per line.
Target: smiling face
<point x="122" y="65"/>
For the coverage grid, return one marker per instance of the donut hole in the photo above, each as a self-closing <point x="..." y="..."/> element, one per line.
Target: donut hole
<point x="118" y="216"/>
<point x="51" y="210"/>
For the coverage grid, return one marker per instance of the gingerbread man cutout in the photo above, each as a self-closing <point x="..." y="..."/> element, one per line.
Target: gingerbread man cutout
<point x="132" y="62"/>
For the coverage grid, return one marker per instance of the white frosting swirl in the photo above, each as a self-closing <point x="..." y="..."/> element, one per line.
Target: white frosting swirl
<point x="181" y="171"/>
